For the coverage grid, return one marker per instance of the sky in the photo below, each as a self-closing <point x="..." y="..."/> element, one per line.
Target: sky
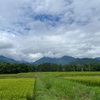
<point x="32" y="29"/>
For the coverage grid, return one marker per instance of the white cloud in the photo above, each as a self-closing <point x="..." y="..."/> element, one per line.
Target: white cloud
<point x="75" y="33"/>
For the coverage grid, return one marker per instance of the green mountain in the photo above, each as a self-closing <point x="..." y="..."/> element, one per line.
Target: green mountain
<point x="66" y="60"/>
<point x="84" y="61"/>
<point x="98" y="58"/>
<point x="46" y="59"/>
<point x="63" y="60"/>
<point x="5" y="59"/>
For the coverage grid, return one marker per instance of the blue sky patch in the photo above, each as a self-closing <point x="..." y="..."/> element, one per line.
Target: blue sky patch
<point x="46" y="17"/>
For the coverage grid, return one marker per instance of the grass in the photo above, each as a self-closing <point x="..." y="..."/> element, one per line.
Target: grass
<point x="87" y="80"/>
<point x="19" y="75"/>
<point x="73" y="74"/>
<point x="16" y="89"/>
<point x="50" y="86"/>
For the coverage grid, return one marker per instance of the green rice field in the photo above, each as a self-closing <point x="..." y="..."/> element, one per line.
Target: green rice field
<point x="16" y="89"/>
<point x="50" y="86"/>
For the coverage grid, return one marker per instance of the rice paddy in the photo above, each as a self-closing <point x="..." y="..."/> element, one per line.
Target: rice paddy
<point x="16" y="89"/>
<point x="50" y="86"/>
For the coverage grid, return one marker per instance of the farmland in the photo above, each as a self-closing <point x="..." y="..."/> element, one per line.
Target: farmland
<point x="50" y="86"/>
<point x="16" y="89"/>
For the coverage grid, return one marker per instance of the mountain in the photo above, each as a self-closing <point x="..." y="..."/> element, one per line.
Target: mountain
<point x="62" y="60"/>
<point x="5" y="59"/>
<point x="85" y="61"/>
<point x="46" y="59"/>
<point x="67" y="60"/>
<point x="98" y="58"/>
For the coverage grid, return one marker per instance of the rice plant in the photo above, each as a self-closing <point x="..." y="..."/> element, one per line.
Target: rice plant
<point x="16" y="89"/>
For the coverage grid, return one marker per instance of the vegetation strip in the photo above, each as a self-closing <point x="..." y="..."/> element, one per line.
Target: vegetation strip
<point x="13" y="68"/>
<point x="50" y="86"/>
<point x="55" y="88"/>
<point x="90" y="81"/>
<point x="16" y="89"/>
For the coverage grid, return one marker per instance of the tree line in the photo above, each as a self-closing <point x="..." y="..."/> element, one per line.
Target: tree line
<point x="7" y="68"/>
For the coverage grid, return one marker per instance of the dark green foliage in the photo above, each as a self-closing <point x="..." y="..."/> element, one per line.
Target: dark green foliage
<point x="46" y="67"/>
<point x="7" y="68"/>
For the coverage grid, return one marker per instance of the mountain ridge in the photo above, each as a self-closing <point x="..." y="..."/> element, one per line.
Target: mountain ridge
<point x="6" y="59"/>
<point x="62" y="60"/>
<point x="66" y="60"/>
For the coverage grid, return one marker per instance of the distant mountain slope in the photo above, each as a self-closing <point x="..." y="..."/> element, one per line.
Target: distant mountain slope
<point x="85" y="61"/>
<point x="46" y="59"/>
<point x="5" y="59"/>
<point x="98" y="58"/>
<point x="62" y="60"/>
<point x="66" y="60"/>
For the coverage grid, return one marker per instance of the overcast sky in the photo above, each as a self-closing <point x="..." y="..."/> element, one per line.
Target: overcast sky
<point x="31" y="29"/>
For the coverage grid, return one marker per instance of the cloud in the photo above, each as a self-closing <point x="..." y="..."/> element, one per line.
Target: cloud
<point x="31" y="29"/>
